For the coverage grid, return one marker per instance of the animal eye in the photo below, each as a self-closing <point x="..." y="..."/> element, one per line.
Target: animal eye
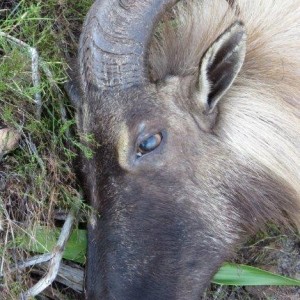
<point x="149" y="144"/>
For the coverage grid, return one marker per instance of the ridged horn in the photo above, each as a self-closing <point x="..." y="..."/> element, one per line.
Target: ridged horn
<point x="114" y="42"/>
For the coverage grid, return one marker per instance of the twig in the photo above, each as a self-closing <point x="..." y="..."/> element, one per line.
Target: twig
<point x="30" y="262"/>
<point x="2" y="258"/>
<point x="34" y="67"/>
<point x="8" y="228"/>
<point x="70" y="276"/>
<point x="55" y="260"/>
<point x="36" y="61"/>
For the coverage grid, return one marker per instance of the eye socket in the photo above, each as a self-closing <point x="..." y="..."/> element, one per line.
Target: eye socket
<point x="149" y="144"/>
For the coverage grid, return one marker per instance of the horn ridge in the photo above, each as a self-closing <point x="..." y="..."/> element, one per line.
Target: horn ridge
<point x="114" y="42"/>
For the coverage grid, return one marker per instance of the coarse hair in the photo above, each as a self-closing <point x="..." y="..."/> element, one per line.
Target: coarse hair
<point x="259" y="117"/>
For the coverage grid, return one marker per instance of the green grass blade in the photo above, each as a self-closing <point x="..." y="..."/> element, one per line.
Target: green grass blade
<point x="45" y="239"/>
<point x="233" y="274"/>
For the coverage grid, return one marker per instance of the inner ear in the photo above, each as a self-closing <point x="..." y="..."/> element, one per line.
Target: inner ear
<point x="220" y="65"/>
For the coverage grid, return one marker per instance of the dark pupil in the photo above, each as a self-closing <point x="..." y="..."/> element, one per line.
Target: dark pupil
<point x="150" y="143"/>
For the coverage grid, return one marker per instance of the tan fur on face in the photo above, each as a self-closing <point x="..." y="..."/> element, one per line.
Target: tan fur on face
<point x="123" y="146"/>
<point x="259" y="118"/>
<point x="178" y="212"/>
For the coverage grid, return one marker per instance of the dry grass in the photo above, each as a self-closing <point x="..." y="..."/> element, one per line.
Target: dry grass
<point x="37" y="178"/>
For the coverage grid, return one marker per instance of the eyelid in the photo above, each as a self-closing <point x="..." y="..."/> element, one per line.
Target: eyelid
<point x="154" y="143"/>
<point x="142" y="138"/>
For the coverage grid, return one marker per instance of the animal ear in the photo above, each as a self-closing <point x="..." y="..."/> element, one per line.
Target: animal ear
<point x="220" y="65"/>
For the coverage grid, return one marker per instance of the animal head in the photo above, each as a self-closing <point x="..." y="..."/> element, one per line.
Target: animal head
<point x="173" y="187"/>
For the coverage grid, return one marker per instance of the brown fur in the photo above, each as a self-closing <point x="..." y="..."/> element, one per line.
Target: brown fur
<point x="170" y="218"/>
<point x="260" y="117"/>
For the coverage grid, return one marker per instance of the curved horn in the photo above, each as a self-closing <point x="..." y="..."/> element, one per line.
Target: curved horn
<point x="114" y="41"/>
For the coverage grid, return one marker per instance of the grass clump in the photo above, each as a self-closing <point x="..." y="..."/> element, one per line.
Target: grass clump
<point x="37" y="179"/>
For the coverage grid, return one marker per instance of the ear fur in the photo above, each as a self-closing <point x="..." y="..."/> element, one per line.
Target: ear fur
<point x="219" y="67"/>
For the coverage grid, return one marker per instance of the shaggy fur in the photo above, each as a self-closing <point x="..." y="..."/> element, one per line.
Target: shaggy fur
<point x="259" y="118"/>
<point x="170" y="218"/>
